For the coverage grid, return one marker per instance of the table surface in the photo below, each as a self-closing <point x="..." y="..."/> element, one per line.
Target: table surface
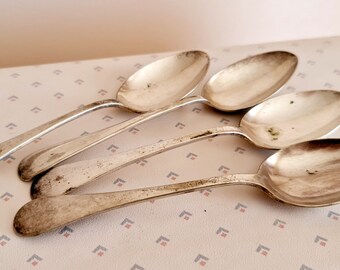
<point x="223" y="228"/>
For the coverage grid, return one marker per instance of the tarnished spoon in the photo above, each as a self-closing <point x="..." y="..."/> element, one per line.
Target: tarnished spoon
<point x="152" y="87"/>
<point x="275" y="123"/>
<point x="305" y="174"/>
<point x="240" y="85"/>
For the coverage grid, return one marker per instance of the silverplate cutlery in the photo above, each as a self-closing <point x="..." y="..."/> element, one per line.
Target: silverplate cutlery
<point x="275" y="123"/>
<point x="305" y="174"/>
<point x="240" y="85"/>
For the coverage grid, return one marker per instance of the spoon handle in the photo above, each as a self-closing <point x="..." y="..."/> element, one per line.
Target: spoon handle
<point x="43" y="160"/>
<point x="10" y="146"/>
<point x="44" y="214"/>
<point x="64" y="178"/>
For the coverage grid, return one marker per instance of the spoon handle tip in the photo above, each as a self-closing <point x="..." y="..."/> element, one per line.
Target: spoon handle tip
<point x="44" y="214"/>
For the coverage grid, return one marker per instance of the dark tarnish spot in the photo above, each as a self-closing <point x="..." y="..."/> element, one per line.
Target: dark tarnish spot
<point x="291" y="102"/>
<point x="69" y="189"/>
<point x="55" y="156"/>
<point x="273" y="133"/>
<point x="326" y="145"/>
<point x="329" y="145"/>
<point x="35" y="189"/>
<point x="36" y="186"/>
<point x="99" y="164"/>
<point x="24" y="171"/>
<point x="187" y="54"/>
<point x="59" y="178"/>
<point x="311" y="173"/>
<point x="202" y="135"/>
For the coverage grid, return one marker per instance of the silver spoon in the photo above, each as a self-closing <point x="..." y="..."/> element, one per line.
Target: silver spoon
<point x="275" y="123"/>
<point x="240" y="85"/>
<point x="306" y="174"/>
<point x="152" y="87"/>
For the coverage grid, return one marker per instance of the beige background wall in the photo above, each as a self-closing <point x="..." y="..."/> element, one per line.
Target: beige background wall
<point x="41" y="31"/>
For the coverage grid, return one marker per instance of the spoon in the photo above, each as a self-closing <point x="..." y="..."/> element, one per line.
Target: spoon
<point x="305" y="174"/>
<point x="275" y="123"/>
<point x="240" y="85"/>
<point x="152" y="87"/>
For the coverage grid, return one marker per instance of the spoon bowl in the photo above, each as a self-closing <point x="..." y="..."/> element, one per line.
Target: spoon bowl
<point x="240" y="85"/>
<point x="249" y="81"/>
<point x="305" y="174"/>
<point x="157" y="84"/>
<point x="164" y="81"/>
<point x="292" y="118"/>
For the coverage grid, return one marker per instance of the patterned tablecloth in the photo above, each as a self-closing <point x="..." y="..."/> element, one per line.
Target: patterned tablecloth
<point x="224" y="228"/>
